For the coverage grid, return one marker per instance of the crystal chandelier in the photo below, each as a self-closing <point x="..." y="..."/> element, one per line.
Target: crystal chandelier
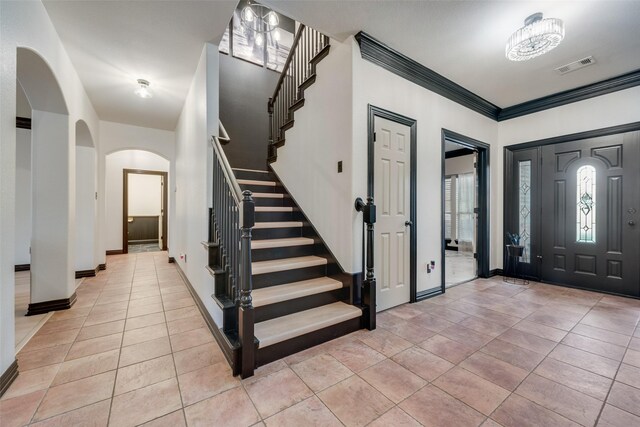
<point x="537" y="37"/>
<point x="260" y="20"/>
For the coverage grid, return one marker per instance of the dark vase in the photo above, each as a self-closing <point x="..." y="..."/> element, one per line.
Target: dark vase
<point x="515" y="250"/>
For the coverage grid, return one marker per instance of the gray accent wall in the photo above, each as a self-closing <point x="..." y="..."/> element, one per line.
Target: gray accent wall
<point x="245" y="89"/>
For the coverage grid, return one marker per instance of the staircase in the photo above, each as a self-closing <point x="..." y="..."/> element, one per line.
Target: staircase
<point x="279" y="287"/>
<point x="300" y="296"/>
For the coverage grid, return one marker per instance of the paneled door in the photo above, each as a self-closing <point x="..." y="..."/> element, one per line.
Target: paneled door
<point x="392" y="185"/>
<point x="590" y="213"/>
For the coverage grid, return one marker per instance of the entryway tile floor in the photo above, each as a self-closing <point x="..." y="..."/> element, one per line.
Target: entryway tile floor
<point x="134" y="350"/>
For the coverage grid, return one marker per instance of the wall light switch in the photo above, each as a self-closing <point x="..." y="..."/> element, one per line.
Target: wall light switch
<point x="340" y="166"/>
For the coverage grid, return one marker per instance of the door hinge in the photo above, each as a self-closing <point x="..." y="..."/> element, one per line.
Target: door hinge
<point x="374" y="137"/>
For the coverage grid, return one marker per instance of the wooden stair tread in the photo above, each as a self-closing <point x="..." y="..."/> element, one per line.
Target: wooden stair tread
<point x="290" y="291"/>
<point x="274" y="209"/>
<point x="281" y="243"/>
<point x="278" y="224"/>
<point x="249" y="170"/>
<point x="257" y="182"/>
<point x="269" y="195"/>
<point x="294" y="325"/>
<point x="275" y="265"/>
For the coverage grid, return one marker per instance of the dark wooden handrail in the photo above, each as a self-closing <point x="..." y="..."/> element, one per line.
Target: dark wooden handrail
<point x="294" y="46"/>
<point x="308" y="47"/>
<point x="233" y="217"/>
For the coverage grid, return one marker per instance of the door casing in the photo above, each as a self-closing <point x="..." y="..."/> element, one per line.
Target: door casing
<point x="482" y="173"/>
<point x="374" y="112"/>
<point x="125" y="205"/>
<point x="509" y="173"/>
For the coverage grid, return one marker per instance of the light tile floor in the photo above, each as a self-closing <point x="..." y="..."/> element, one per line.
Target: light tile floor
<point x="134" y="350"/>
<point x="460" y="266"/>
<point x="25" y="326"/>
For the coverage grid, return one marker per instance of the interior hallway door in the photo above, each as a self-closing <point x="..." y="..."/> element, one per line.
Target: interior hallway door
<point x="392" y="186"/>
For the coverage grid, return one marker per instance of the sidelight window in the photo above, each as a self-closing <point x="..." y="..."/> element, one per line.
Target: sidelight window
<point x="524" y="208"/>
<point x="586" y="205"/>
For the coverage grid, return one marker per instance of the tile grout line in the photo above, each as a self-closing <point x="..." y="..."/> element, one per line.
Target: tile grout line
<point x="115" y="380"/>
<point x="63" y="361"/>
<point x="614" y="381"/>
<point x="175" y="369"/>
<point x="536" y="367"/>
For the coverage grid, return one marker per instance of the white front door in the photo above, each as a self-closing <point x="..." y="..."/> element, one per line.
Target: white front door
<point x="392" y="172"/>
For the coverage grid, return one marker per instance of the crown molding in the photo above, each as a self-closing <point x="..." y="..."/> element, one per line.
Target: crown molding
<point x="581" y="93"/>
<point x="390" y="59"/>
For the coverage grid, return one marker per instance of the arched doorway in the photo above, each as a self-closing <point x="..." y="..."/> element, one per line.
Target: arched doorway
<point x="51" y="265"/>
<point x="116" y="163"/>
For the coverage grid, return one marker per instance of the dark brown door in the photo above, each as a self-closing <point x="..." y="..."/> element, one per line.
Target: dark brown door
<point x="589" y="215"/>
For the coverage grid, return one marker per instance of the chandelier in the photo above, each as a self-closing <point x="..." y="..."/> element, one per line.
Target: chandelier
<point x="537" y="37"/>
<point x="260" y="20"/>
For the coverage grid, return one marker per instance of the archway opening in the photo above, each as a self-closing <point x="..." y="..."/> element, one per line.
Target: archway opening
<point x="51" y="283"/>
<point x="119" y="165"/>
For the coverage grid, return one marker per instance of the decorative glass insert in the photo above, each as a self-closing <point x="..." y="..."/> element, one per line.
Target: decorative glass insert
<point x="586" y="205"/>
<point x="524" y="208"/>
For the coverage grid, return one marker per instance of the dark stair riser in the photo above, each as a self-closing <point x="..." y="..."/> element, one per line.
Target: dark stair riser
<point x="276" y="233"/>
<point x="276" y="216"/>
<point x="278" y="351"/>
<point x="262" y="188"/>
<point x="258" y="176"/>
<point x="284" y="308"/>
<point x="269" y="201"/>
<point x="279" y="253"/>
<point x="288" y="276"/>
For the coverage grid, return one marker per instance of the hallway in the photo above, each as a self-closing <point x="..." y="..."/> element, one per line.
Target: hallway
<point x="135" y="349"/>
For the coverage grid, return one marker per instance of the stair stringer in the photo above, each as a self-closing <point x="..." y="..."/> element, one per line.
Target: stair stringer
<point x="321" y="138"/>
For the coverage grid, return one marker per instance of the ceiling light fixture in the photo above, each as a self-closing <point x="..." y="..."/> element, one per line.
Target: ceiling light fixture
<point x="537" y="37"/>
<point x="143" y="90"/>
<point x="260" y="20"/>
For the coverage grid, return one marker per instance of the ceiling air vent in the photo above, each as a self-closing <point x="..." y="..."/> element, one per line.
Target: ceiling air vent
<point x="576" y="65"/>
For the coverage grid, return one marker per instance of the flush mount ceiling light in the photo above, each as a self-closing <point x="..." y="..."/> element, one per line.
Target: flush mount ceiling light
<point x="143" y="90"/>
<point x="537" y="37"/>
<point x="260" y="21"/>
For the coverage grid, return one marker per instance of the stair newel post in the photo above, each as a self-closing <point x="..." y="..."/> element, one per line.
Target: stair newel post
<point x="369" y="282"/>
<point x="246" y="315"/>
<point x="270" y="109"/>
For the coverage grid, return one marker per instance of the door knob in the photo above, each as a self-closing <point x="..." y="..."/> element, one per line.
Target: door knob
<point x="632" y="222"/>
<point x="408" y="223"/>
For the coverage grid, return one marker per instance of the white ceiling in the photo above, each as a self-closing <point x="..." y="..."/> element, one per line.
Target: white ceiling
<point x="465" y="40"/>
<point x="113" y="43"/>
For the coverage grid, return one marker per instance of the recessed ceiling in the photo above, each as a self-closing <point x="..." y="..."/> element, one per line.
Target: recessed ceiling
<point x="114" y="43"/>
<point x="465" y="40"/>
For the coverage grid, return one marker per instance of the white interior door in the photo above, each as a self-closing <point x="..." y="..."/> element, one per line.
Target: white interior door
<point x="392" y="172"/>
